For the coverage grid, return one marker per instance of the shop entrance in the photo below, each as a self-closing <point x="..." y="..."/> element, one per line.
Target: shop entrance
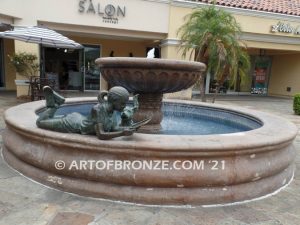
<point x="260" y="75"/>
<point x="72" y="69"/>
<point x="256" y="82"/>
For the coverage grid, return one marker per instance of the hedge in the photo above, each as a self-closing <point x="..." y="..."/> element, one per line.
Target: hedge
<point x="296" y="104"/>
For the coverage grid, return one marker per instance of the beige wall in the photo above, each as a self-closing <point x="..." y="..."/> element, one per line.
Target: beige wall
<point x="10" y="73"/>
<point x="174" y="52"/>
<point x="273" y="46"/>
<point x="285" y="73"/>
<point x="149" y="16"/>
<point x="121" y="48"/>
<point x="254" y="25"/>
<point x="177" y="15"/>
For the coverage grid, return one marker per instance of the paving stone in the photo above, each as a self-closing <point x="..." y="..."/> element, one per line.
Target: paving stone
<point x="5" y="171"/>
<point x="23" y="202"/>
<point x="71" y="218"/>
<point x="29" y="214"/>
<point x="5" y="208"/>
<point x="231" y="221"/>
<point x="22" y="186"/>
<point x="246" y="214"/>
<point x="13" y="199"/>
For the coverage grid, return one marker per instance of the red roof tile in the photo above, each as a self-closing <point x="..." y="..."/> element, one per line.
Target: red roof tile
<point x="289" y="7"/>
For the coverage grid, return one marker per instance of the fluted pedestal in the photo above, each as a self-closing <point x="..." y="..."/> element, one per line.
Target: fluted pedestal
<point x="150" y="106"/>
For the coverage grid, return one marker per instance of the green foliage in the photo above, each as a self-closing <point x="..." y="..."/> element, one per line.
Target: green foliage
<point x="296" y="104"/>
<point x="24" y="63"/>
<point x="212" y="35"/>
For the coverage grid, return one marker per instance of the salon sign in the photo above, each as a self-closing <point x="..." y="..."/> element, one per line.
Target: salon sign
<point x="282" y="27"/>
<point x="109" y="13"/>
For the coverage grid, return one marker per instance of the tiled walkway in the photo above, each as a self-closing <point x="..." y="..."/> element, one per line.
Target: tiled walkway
<point x="23" y="202"/>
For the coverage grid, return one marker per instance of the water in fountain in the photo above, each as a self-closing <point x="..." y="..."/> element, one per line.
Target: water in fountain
<point x="183" y="120"/>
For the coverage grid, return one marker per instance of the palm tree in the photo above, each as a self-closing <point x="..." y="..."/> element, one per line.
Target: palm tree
<point x="211" y="34"/>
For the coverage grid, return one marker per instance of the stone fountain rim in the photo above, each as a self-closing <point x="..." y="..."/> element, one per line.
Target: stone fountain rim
<point x="150" y="63"/>
<point x="257" y="140"/>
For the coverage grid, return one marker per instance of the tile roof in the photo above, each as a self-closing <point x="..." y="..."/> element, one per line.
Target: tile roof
<point x="289" y="7"/>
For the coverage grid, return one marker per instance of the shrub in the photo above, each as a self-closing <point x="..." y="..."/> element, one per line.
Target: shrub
<point x="296" y="105"/>
<point x="24" y="63"/>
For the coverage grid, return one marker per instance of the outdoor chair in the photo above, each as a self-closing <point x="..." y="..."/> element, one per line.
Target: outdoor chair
<point x="37" y="87"/>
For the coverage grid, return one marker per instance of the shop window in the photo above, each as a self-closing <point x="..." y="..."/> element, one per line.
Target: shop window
<point x="91" y="71"/>
<point x="72" y="69"/>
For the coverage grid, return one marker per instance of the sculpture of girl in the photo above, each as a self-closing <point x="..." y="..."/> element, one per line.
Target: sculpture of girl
<point x="101" y="121"/>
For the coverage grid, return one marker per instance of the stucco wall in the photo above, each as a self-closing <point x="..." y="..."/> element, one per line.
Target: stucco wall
<point x="256" y="29"/>
<point x="121" y="48"/>
<point x="10" y="73"/>
<point x="149" y="16"/>
<point x="285" y="73"/>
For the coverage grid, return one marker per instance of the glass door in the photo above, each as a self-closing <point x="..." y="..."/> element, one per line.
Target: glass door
<point x="91" y="71"/>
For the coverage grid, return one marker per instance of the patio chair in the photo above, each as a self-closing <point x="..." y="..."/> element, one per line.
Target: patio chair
<point x="37" y="87"/>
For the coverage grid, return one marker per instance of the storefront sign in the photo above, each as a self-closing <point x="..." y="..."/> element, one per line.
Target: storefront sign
<point x="108" y="12"/>
<point x="285" y="28"/>
<point x="260" y="75"/>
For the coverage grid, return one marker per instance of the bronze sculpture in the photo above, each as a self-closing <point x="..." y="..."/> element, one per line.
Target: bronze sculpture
<point x="101" y="121"/>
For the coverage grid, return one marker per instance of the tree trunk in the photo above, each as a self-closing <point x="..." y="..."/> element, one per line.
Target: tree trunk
<point x="203" y="57"/>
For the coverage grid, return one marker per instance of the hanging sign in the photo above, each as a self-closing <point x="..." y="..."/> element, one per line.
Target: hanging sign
<point x="260" y="75"/>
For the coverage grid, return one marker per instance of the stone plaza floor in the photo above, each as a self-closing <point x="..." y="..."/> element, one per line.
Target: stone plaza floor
<point x="23" y="202"/>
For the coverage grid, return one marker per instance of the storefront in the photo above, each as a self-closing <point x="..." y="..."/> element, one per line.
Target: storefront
<point x="72" y="69"/>
<point x="272" y="40"/>
<point x="105" y="29"/>
<point x="113" y="28"/>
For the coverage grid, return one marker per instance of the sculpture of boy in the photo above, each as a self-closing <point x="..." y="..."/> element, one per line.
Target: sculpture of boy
<point x="101" y="120"/>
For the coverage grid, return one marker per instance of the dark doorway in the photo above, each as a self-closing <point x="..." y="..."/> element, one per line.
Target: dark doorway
<point x="63" y="65"/>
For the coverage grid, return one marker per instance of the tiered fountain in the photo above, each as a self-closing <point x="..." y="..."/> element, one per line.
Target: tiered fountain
<point x="243" y="154"/>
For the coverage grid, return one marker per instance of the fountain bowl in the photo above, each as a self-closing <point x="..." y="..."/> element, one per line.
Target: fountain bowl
<point x="237" y="166"/>
<point x="144" y="75"/>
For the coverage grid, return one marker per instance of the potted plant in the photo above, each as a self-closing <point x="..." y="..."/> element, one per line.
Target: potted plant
<point x="25" y="64"/>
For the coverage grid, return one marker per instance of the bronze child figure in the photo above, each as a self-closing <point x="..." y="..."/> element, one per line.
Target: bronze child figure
<point x="101" y="121"/>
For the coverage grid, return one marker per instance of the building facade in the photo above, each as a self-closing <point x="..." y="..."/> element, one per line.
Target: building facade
<point x="130" y="28"/>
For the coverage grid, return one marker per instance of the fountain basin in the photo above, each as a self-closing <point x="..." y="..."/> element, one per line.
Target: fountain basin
<point x="143" y="75"/>
<point x="236" y="166"/>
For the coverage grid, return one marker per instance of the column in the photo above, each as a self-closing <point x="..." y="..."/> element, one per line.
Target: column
<point x="170" y="49"/>
<point x="21" y="46"/>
